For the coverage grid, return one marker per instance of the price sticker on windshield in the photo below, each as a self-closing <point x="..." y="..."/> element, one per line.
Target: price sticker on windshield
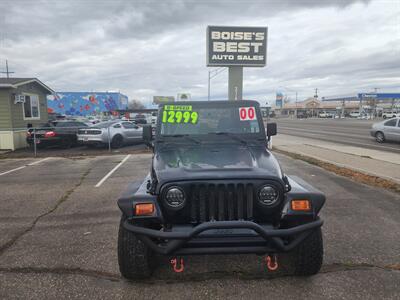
<point x="178" y="114"/>
<point x="247" y="113"/>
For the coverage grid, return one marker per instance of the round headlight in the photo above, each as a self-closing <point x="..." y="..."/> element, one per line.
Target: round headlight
<point x="175" y="197"/>
<point x="268" y="195"/>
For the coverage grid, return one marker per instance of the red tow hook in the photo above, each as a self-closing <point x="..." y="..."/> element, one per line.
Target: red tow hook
<point x="178" y="265"/>
<point x="272" y="262"/>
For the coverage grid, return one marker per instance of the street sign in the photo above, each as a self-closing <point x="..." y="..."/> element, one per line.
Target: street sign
<point x="236" y="46"/>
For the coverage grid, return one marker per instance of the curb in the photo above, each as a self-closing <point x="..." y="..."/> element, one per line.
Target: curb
<point x="355" y="174"/>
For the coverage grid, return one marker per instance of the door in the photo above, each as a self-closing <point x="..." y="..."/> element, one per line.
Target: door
<point x="398" y="130"/>
<point x="133" y="132"/>
<point x="390" y="130"/>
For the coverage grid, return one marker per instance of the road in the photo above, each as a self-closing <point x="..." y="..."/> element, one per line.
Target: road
<point x="58" y="237"/>
<point x="342" y="131"/>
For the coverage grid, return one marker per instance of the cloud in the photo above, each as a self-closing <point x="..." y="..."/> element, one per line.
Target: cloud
<point x="146" y="48"/>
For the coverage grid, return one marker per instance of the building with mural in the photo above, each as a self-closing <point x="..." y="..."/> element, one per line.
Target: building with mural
<point x="85" y="103"/>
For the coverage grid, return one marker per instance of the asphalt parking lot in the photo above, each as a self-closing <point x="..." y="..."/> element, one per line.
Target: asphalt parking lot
<point x="58" y="239"/>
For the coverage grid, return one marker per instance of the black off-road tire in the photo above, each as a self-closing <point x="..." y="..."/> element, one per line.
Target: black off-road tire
<point x="135" y="259"/>
<point x="117" y="141"/>
<point x="309" y="255"/>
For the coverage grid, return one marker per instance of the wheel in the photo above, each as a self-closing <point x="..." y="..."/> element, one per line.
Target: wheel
<point x="309" y="255"/>
<point x="384" y="117"/>
<point x="135" y="259"/>
<point x="379" y="137"/>
<point x="117" y="141"/>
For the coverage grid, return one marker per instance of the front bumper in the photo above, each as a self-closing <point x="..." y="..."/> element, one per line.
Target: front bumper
<point x="233" y="237"/>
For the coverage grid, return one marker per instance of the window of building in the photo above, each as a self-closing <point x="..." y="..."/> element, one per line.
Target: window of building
<point x="31" y="107"/>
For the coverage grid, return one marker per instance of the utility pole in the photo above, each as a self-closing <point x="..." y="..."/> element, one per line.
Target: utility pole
<point x="7" y="71"/>
<point x="316" y="94"/>
<point x="296" y="106"/>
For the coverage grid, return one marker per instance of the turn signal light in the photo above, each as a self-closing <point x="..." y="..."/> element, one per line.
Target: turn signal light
<point x="144" y="209"/>
<point x="301" y="205"/>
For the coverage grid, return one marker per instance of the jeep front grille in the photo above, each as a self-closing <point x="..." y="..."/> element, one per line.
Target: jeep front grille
<point x="220" y="202"/>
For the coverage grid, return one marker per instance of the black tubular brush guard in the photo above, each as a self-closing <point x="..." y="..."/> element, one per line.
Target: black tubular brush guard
<point x="271" y="239"/>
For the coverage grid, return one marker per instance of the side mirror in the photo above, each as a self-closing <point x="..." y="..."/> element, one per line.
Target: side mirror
<point x="147" y="134"/>
<point x="271" y="129"/>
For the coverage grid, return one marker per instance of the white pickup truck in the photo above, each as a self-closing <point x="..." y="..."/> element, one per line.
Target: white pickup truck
<point x="390" y="114"/>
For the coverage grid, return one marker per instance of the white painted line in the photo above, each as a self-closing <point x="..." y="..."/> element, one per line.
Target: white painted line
<point x="112" y="171"/>
<point x="19" y="168"/>
<point x="39" y="161"/>
<point x="13" y="170"/>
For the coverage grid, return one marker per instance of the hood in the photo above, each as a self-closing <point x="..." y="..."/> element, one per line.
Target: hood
<point x="230" y="161"/>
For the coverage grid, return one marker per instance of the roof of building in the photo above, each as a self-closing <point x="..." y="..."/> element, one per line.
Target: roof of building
<point x="16" y="82"/>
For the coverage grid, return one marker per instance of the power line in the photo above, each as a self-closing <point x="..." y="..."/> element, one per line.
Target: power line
<point x="7" y="71"/>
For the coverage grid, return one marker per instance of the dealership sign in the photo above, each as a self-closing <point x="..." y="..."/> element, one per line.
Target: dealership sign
<point x="236" y="46"/>
<point x="163" y="99"/>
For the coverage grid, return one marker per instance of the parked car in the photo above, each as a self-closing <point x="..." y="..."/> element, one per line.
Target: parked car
<point x="140" y="119"/>
<point x="388" y="130"/>
<point x="301" y="115"/>
<point x="214" y="188"/>
<point x="354" y="114"/>
<point x="61" y="133"/>
<point x="118" y="132"/>
<point x="390" y="114"/>
<point x="153" y="118"/>
<point x="325" y="114"/>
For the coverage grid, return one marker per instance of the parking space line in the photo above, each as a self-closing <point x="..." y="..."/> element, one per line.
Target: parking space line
<point x="112" y="171"/>
<point x="39" y="161"/>
<point x="19" y="168"/>
<point x="13" y="170"/>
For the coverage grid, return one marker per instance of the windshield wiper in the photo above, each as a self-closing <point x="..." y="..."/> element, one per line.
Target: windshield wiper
<point x="231" y="135"/>
<point x="186" y="136"/>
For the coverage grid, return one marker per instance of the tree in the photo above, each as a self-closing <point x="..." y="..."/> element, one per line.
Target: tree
<point x="135" y="104"/>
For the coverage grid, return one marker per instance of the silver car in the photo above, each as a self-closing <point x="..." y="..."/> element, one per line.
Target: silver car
<point x="117" y="132"/>
<point x="388" y="130"/>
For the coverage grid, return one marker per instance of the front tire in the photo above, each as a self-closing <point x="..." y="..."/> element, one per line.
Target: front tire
<point x="135" y="259"/>
<point x="117" y="141"/>
<point x="379" y="137"/>
<point x="309" y="255"/>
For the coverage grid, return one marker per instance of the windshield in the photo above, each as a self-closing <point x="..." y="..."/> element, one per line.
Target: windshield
<point x="192" y="120"/>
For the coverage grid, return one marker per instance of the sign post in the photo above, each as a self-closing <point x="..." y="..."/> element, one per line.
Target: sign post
<point x="235" y="48"/>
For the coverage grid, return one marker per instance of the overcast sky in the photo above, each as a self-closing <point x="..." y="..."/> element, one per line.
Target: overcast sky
<point x="146" y="48"/>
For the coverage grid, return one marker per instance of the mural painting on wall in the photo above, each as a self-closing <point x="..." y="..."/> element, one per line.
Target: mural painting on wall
<point x="83" y="104"/>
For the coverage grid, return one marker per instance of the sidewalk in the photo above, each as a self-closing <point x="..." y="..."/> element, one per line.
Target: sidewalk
<point x="372" y="162"/>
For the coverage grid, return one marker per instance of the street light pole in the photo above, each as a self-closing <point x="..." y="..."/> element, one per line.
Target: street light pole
<point x="296" y="106"/>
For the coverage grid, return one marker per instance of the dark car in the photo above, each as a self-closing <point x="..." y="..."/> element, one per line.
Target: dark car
<point x="215" y="188"/>
<point x="55" y="133"/>
<point x="301" y="115"/>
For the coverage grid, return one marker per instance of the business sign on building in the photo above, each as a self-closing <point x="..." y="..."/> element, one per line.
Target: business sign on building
<point x="236" y="46"/>
<point x="163" y="99"/>
<point x="279" y="100"/>
<point x="184" y="97"/>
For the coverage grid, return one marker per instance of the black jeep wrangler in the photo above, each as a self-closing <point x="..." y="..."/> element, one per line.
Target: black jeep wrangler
<point x="215" y="188"/>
